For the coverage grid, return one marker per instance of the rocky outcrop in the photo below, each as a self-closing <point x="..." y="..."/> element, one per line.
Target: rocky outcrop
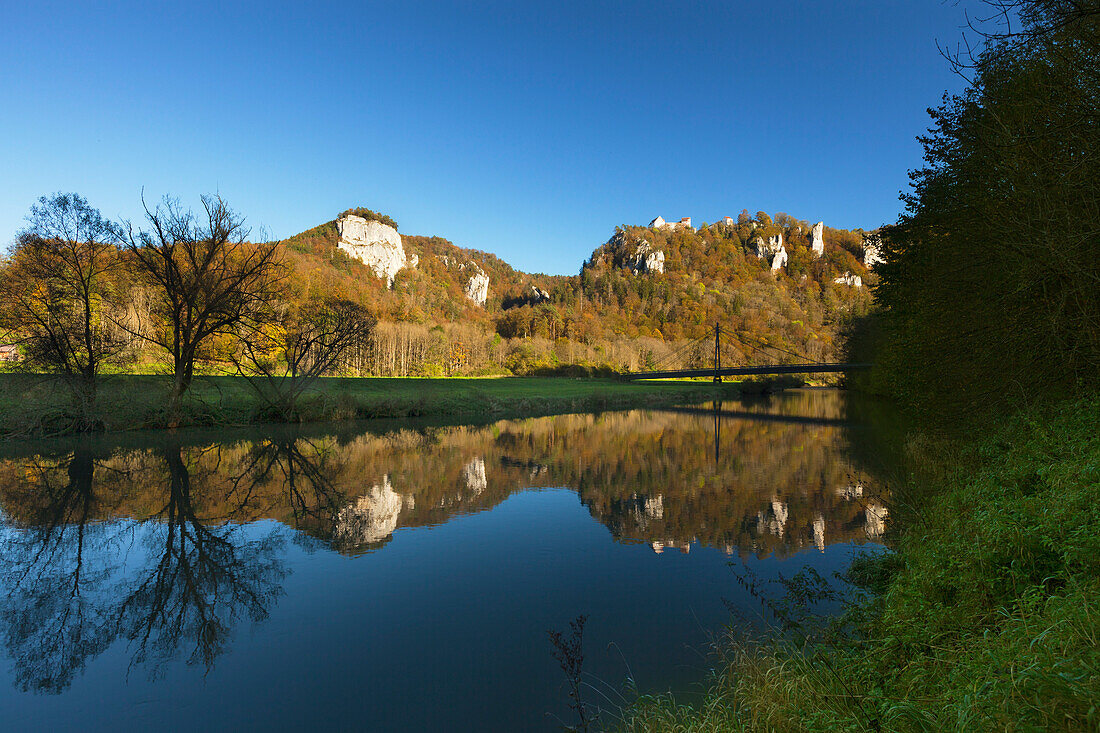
<point x="369" y="519"/>
<point x="779" y="259"/>
<point x="872" y="250"/>
<point x="647" y="259"/>
<point x="474" y="474"/>
<point x="849" y="279"/>
<point x="874" y="520"/>
<point x="773" y="251"/>
<point x="851" y="491"/>
<point x="477" y="289"/>
<point x="819" y="533"/>
<point x="775" y="521"/>
<point x="645" y="509"/>
<point x="540" y="295"/>
<point x="758" y="247"/>
<point x="639" y="255"/>
<point x="818" y="244"/>
<point x="376" y="245"/>
<point x="655" y="507"/>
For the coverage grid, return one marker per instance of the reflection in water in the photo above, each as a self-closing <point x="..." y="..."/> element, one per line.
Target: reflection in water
<point x="167" y="579"/>
<point x="162" y="546"/>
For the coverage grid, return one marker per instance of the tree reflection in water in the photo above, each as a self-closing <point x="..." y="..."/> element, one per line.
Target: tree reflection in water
<point x="75" y="584"/>
<point x="207" y="577"/>
<point x="162" y="547"/>
<point x="52" y="623"/>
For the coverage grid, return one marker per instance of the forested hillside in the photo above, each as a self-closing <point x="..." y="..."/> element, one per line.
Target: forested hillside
<point x="613" y="314"/>
<point x="192" y="293"/>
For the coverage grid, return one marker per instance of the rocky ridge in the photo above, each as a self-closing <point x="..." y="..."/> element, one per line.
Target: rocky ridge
<point x="376" y="245"/>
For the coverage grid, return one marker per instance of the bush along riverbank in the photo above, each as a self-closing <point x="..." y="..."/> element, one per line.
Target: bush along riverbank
<point x="986" y="616"/>
<point x="32" y="405"/>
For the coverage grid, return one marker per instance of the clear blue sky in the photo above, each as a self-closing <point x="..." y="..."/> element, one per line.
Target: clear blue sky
<point x="526" y="129"/>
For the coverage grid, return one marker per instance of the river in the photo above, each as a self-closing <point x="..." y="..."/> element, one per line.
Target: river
<point x="404" y="576"/>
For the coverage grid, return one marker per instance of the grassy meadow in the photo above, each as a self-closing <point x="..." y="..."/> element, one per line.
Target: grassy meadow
<point x="37" y="405"/>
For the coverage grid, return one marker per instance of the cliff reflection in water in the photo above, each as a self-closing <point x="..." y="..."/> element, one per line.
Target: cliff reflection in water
<point x="162" y="545"/>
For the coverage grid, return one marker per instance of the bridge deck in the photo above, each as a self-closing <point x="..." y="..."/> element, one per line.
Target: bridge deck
<point x="749" y="371"/>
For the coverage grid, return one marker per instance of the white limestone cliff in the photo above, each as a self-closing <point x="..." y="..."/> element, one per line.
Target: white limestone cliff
<point x="643" y="259"/>
<point x="849" y="279"/>
<point x="774" y="521"/>
<point x="874" y="518"/>
<point x="474" y="474"/>
<point x="370" y="518"/>
<point x="376" y="245"/>
<point x="758" y="247"/>
<point x="539" y="294"/>
<point x="819" y="533"/>
<point x="477" y="288"/>
<point x="818" y="244"/>
<point x="646" y="259"/>
<point x="851" y="491"/>
<point x="779" y="259"/>
<point x="773" y="250"/>
<point x="872" y="250"/>
<point x="655" y="507"/>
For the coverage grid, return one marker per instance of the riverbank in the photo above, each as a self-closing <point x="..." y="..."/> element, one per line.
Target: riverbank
<point x="987" y="616"/>
<point x="34" y="405"/>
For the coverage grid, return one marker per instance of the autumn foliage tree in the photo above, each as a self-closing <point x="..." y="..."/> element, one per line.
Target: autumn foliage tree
<point x="55" y="294"/>
<point x="285" y="356"/>
<point x="208" y="280"/>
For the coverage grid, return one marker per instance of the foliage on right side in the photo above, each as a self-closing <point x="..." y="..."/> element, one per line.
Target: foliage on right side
<point x="990" y="293"/>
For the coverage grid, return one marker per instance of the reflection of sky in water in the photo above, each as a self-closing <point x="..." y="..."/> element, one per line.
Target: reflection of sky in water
<point x="246" y="599"/>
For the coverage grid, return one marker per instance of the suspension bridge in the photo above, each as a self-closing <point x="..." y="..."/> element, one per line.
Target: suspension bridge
<point x="691" y="352"/>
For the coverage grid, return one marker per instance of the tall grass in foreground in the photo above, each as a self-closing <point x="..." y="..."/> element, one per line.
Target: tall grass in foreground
<point x="986" y="618"/>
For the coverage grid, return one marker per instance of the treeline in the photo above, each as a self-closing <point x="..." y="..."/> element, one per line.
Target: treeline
<point x="990" y="295"/>
<point x="188" y="293"/>
<point x="710" y="275"/>
<point x="82" y="296"/>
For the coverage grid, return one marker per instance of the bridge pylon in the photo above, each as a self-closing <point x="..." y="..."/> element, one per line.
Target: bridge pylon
<point x="717" y="354"/>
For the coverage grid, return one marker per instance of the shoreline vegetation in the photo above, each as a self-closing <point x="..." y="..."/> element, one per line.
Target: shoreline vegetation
<point x="137" y="402"/>
<point x="983" y="617"/>
<point x="986" y="331"/>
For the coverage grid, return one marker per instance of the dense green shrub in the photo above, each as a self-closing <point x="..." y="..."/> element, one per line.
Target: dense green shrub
<point x="987" y="616"/>
<point x="369" y="215"/>
<point x="991" y="289"/>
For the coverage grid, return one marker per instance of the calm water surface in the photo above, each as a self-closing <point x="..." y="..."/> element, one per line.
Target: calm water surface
<point x="397" y="577"/>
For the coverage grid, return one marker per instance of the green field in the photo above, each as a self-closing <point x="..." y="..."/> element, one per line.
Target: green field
<point x="35" y="405"/>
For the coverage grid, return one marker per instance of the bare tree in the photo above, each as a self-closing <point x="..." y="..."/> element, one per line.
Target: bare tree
<point x="283" y="358"/>
<point x="208" y="277"/>
<point x="55" y="292"/>
<point x="1018" y="28"/>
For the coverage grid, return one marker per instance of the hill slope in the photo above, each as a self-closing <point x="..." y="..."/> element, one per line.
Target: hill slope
<point x="639" y="298"/>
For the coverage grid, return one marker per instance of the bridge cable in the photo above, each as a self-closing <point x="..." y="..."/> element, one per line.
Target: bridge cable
<point x="693" y="344"/>
<point x="772" y="346"/>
